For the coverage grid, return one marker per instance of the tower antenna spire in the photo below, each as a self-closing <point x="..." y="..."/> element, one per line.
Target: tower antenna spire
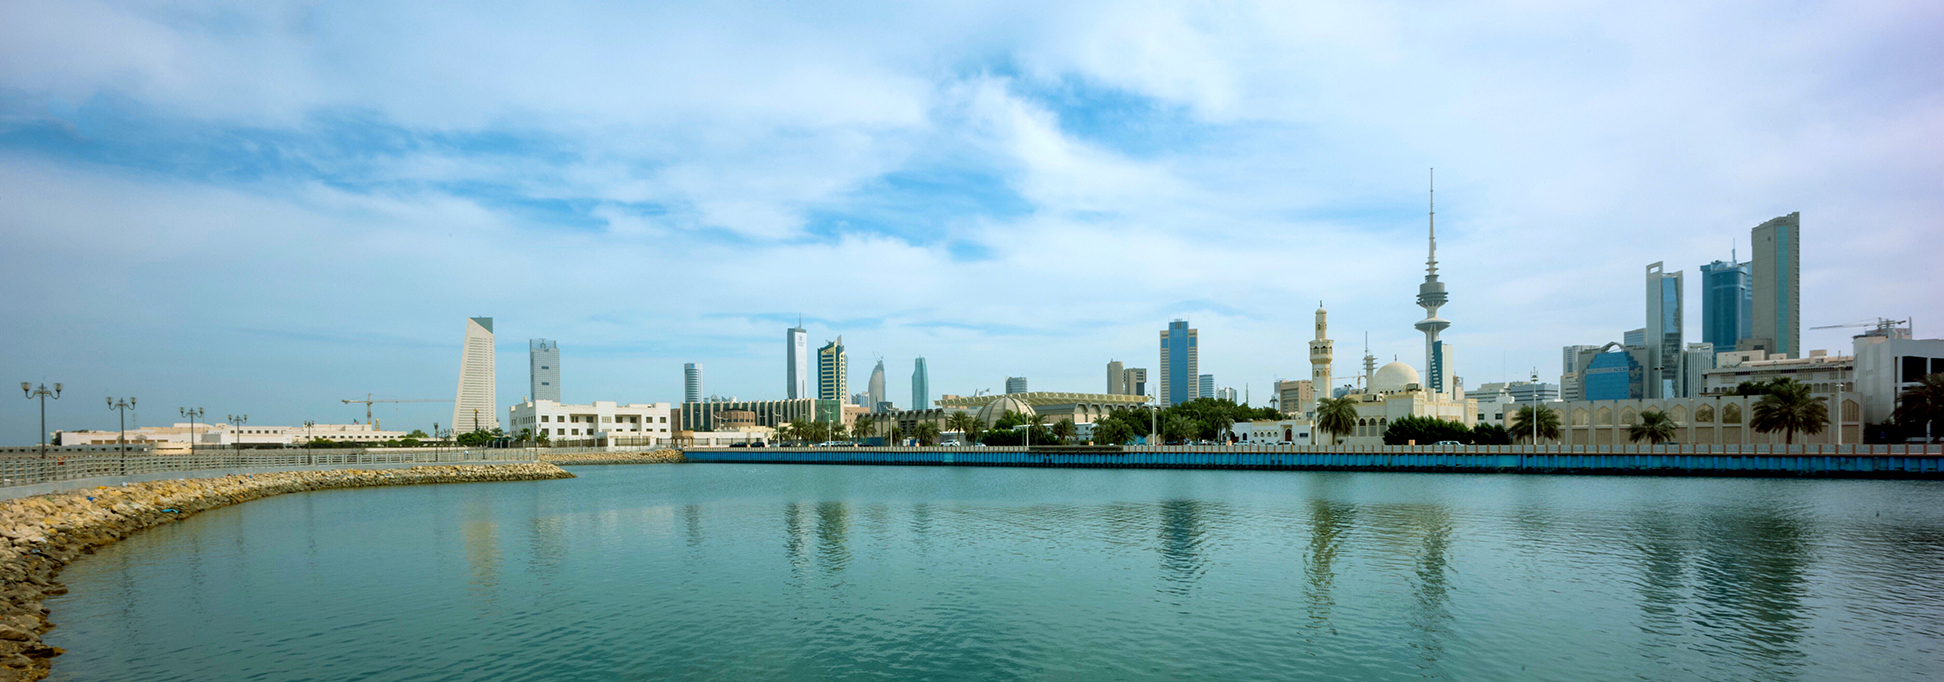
<point x="1431" y="263"/>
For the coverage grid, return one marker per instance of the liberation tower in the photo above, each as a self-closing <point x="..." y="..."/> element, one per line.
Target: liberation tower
<point x="1431" y="295"/>
<point x="1321" y="352"/>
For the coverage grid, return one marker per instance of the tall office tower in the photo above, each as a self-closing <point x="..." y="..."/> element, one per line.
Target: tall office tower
<point x="543" y="369"/>
<point x="833" y="371"/>
<point x="1015" y="384"/>
<point x="1569" y="357"/>
<point x="1695" y="363"/>
<point x="1322" y="352"/>
<point x="1634" y="337"/>
<point x="1664" y="338"/>
<point x="1179" y="363"/>
<point x="920" y="385"/>
<point x="1134" y="381"/>
<point x="1727" y="304"/>
<point x="691" y="383"/>
<point x="1431" y="296"/>
<point x="796" y="362"/>
<point x="1116" y="378"/>
<point x="1776" y="269"/>
<point x="1227" y="393"/>
<point x="1205" y="386"/>
<point x="475" y="408"/>
<point x="876" y="387"/>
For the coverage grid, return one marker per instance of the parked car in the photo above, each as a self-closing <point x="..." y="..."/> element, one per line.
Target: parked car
<point x="1447" y="442"/>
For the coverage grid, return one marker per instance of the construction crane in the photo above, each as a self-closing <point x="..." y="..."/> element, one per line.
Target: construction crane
<point x="1883" y="326"/>
<point x="368" y="400"/>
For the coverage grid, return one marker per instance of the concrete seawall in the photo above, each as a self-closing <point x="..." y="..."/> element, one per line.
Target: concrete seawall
<point x="40" y="535"/>
<point x="585" y="458"/>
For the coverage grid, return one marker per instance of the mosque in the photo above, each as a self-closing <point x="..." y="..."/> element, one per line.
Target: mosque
<point x="1396" y="390"/>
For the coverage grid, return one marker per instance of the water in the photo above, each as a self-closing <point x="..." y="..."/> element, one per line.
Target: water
<point x="765" y="572"/>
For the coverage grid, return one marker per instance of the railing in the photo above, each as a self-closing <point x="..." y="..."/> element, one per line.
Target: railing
<point x="67" y="465"/>
<point x="1671" y="449"/>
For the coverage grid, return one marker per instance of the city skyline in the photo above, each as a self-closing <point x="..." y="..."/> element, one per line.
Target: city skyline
<point x="966" y="165"/>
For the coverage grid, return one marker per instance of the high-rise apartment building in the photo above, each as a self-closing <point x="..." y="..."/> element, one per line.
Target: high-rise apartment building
<point x="1228" y="394"/>
<point x="1179" y="363"/>
<point x="543" y="369"/>
<point x="1015" y="385"/>
<point x="876" y="387"/>
<point x="1205" y="386"/>
<point x="796" y="362"/>
<point x="1116" y="378"/>
<point x="1727" y="304"/>
<point x="920" y="385"/>
<point x="1294" y="397"/>
<point x="475" y="408"/>
<point x="833" y="371"/>
<point x="1134" y="381"/>
<point x="1776" y="271"/>
<point x="691" y="382"/>
<point x="1664" y="333"/>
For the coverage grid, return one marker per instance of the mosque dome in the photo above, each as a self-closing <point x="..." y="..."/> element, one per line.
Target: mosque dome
<point x="993" y="411"/>
<point x="1393" y="377"/>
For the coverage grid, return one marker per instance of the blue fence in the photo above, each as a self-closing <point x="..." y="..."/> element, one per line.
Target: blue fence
<point x="1865" y="461"/>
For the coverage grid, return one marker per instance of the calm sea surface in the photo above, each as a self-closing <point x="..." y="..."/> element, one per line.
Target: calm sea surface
<point x="730" y="572"/>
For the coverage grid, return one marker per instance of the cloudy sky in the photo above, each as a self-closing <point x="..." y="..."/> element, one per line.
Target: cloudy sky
<point x="263" y="208"/>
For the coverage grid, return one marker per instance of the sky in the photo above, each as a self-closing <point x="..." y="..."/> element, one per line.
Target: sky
<point x="265" y="208"/>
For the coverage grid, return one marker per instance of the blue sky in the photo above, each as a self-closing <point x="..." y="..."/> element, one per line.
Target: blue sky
<point x="265" y="207"/>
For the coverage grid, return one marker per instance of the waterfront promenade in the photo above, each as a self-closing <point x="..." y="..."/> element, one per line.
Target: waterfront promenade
<point x="1826" y="461"/>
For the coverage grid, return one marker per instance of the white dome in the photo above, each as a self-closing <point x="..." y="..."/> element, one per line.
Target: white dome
<point x="993" y="411"/>
<point x="1393" y="377"/>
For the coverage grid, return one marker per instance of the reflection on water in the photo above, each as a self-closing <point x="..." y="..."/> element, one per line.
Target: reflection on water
<point x="977" y="574"/>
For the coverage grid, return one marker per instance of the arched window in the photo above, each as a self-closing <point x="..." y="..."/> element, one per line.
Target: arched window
<point x="1678" y="414"/>
<point x="1852" y="411"/>
<point x="1627" y="417"/>
<point x="1604" y="417"/>
<point x="1579" y="417"/>
<point x="1731" y="414"/>
<point x="1704" y="414"/>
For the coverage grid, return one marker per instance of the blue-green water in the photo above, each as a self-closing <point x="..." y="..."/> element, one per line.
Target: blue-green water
<point x="729" y="572"/>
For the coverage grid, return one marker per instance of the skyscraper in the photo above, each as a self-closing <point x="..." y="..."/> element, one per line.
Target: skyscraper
<point x="1431" y="295"/>
<point x="1322" y="352"/>
<point x="1179" y="363"/>
<point x="1776" y="270"/>
<point x="1116" y="378"/>
<point x="1727" y="304"/>
<point x="1015" y="384"/>
<point x="920" y="385"/>
<point x="876" y="387"/>
<point x="543" y="369"/>
<point x="833" y="371"/>
<point x="796" y="362"/>
<point x="1134" y="381"/>
<point x="691" y="383"/>
<point x="476" y="407"/>
<point x="1205" y="386"/>
<point x="1664" y="338"/>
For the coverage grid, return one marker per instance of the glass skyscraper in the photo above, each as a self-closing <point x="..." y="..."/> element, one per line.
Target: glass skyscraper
<point x="691" y="382"/>
<point x="1776" y="269"/>
<point x="1178" y="363"/>
<point x="920" y="385"/>
<point x="1727" y="304"/>
<point x="1664" y="334"/>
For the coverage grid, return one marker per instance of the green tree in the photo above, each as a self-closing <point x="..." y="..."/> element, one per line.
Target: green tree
<point x="1490" y="434"/>
<point x="475" y="439"/>
<point x="1753" y="388"/>
<point x="1654" y="427"/>
<point x="1177" y="428"/>
<point x="417" y="433"/>
<point x="1337" y="416"/>
<point x="526" y="434"/>
<point x="1522" y="423"/>
<point x="963" y="423"/>
<point x="1111" y="432"/>
<point x="835" y="431"/>
<point x="926" y="432"/>
<point x="1789" y="408"/>
<point x="1063" y="430"/>
<point x="1920" y="408"/>
<point x="1425" y="431"/>
<point x="543" y="438"/>
<point x="894" y="435"/>
<point x="863" y="426"/>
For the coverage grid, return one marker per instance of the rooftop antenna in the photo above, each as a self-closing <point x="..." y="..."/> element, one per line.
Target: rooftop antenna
<point x="1431" y="264"/>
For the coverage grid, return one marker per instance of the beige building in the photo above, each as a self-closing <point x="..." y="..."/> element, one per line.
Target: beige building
<point x="1824" y="373"/>
<point x="1394" y="393"/>
<point x="1703" y="420"/>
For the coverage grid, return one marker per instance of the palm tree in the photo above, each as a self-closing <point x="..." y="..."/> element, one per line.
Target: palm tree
<point x="1033" y="424"/>
<point x="526" y="434"/>
<point x="1921" y="407"/>
<point x="1653" y="427"/>
<point x="1789" y="408"/>
<point x="833" y="431"/>
<point x="927" y="432"/>
<point x="894" y="435"/>
<point x="861" y="428"/>
<point x="1337" y="416"/>
<point x="1063" y="430"/>
<point x="1522" y="422"/>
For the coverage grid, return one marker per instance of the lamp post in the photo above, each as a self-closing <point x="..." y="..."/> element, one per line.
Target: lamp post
<point x="122" y="406"/>
<point x="236" y="435"/>
<point x="308" y="459"/>
<point x="42" y="393"/>
<point x="193" y="414"/>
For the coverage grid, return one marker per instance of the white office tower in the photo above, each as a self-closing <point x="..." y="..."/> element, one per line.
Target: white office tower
<point x="797" y="363"/>
<point x="543" y="369"/>
<point x="691" y="383"/>
<point x="474" y="408"/>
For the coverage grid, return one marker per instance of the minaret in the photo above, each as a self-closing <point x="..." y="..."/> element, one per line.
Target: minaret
<point x="1321" y="352"/>
<point x="1431" y="295"/>
<point x="1370" y="363"/>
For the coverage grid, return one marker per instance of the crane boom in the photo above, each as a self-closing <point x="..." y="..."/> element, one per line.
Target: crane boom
<point x="368" y="401"/>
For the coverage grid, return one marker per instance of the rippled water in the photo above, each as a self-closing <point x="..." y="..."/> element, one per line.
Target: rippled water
<point x="785" y="572"/>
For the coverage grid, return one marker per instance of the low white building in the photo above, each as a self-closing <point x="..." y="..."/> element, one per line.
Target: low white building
<point x="1279" y="432"/>
<point x="230" y="435"/>
<point x="602" y="420"/>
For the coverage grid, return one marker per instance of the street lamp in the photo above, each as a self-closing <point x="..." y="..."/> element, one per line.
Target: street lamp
<point x="308" y="438"/>
<point x="192" y="414"/>
<point x="42" y="393"/>
<point x="122" y="406"/>
<point x="236" y="435"/>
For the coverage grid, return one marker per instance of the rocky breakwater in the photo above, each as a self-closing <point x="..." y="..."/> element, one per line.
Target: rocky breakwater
<point x="41" y="534"/>
<point x="579" y="458"/>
